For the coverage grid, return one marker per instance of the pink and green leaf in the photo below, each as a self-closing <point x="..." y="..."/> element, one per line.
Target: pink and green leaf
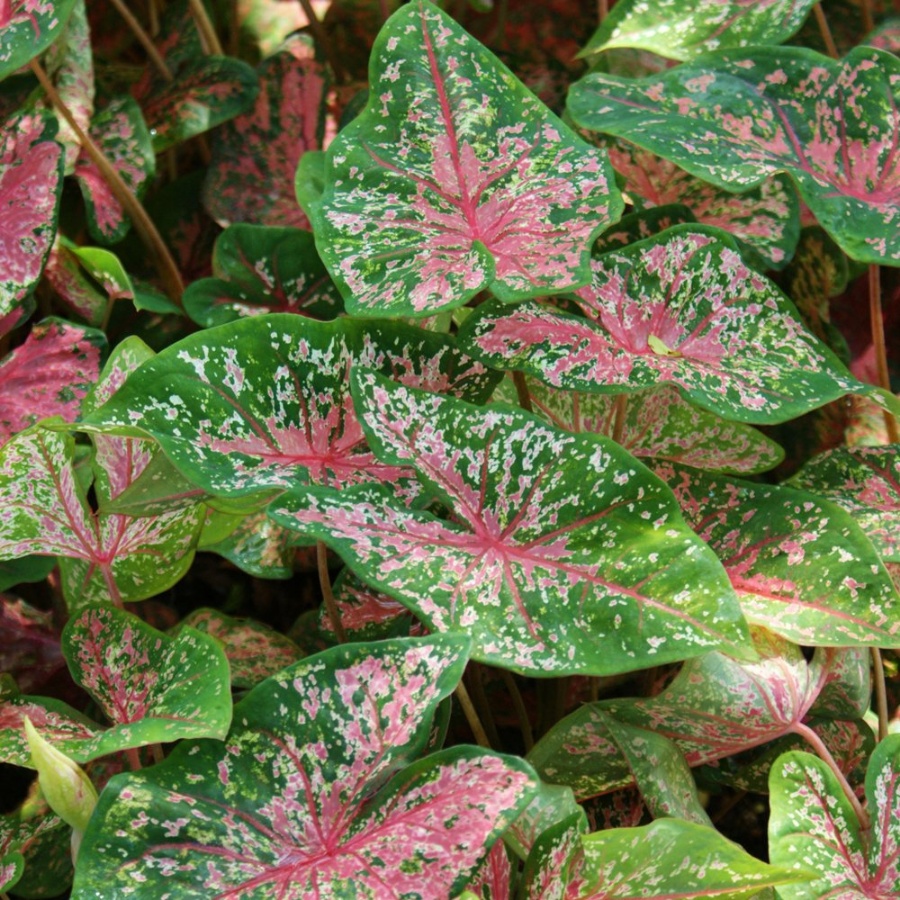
<point x="263" y="404"/>
<point x="832" y="125"/>
<point x="28" y="28"/>
<point x="681" y="308"/>
<point x="258" y="546"/>
<point x="365" y="612"/>
<point x="68" y="279"/>
<point x="260" y="269"/>
<point x="455" y="179"/>
<point x="313" y="790"/>
<point x="544" y="579"/>
<point x="56" y="722"/>
<point x="254" y="156"/>
<point x="152" y="688"/>
<point x="801" y="565"/>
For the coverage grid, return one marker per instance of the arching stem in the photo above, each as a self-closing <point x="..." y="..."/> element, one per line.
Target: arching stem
<point x="619" y="421"/>
<point x="825" y="30"/>
<point x="876" y="319"/>
<point x="143" y="38"/>
<point x="881" y="704"/>
<point x="334" y="615"/>
<point x="465" y="701"/>
<point x="522" y="391"/>
<point x="205" y="27"/>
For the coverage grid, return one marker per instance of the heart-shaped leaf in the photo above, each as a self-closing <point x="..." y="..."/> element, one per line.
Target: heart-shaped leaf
<point x="48" y="375"/>
<point x="255" y="155"/>
<point x="28" y="28"/>
<point x="259" y="269"/>
<point x="830" y="124"/>
<point x="683" y="308"/>
<point x="455" y="179"/>
<point x="658" y="423"/>
<point x="801" y="565"/>
<point x="31" y="171"/>
<point x="153" y="688"/>
<point x="264" y="404"/>
<point x="813" y="826"/>
<point x="543" y="578"/>
<point x="313" y="791"/>
<point x="681" y="30"/>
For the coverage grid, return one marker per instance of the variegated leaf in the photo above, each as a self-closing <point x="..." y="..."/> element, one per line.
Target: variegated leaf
<point x="313" y="791"/>
<point x="556" y="851"/>
<point x="31" y="171"/>
<point x="255" y="156"/>
<point x="263" y="404"/>
<point x="830" y="124"/>
<point x="27" y="28"/>
<point x="658" y="423"/>
<point x="261" y="269"/>
<point x="455" y="179"/>
<point x="493" y="879"/>
<point x="22" y="834"/>
<point x="121" y="134"/>
<point x="66" y="276"/>
<point x="545" y="578"/>
<point x="801" y="565"/>
<point x="254" y="650"/>
<point x="365" y="612"/>
<point x="680" y="308"/>
<point x="259" y="547"/>
<point x="642" y="224"/>
<point x="814" y="827"/>
<point x="552" y="804"/>
<point x="57" y="722"/>
<point x="865" y="481"/>
<point x="48" y="375"/>
<point x="680" y="30"/>
<point x="152" y="688"/>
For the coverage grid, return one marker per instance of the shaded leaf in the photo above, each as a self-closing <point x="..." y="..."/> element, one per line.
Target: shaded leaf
<point x="455" y="179"/>
<point x="22" y="834"/>
<point x="830" y="124"/>
<point x="27" y="28"/>
<point x="801" y="565"/>
<point x="492" y="880"/>
<point x="544" y="578"/>
<point x="642" y="224"/>
<point x="259" y="547"/>
<point x="25" y="570"/>
<point x="255" y="155"/>
<point x="680" y="308"/>
<point x="30" y="650"/>
<point x="552" y="804"/>
<point x="365" y="612"/>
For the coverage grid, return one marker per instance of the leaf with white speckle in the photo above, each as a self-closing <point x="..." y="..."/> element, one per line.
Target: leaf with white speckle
<point x="28" y="28"/>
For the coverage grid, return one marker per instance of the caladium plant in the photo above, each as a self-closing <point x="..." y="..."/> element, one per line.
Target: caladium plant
<point x="434" y="417"/>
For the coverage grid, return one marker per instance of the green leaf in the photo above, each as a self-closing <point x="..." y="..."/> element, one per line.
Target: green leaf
<point x="544" y="577"/>
<point x="455" y="179"/>
<point x="28" y="28"/>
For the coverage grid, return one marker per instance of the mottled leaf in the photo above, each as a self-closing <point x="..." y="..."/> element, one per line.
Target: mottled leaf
<point x="658" y="423"/>
<point x="552" y="804"/>
<point x="254" y="650"/>
<point x="264" y="404"/>
<point x="680" y="308"/>
<point x="642" y="224"/>
<point x="48" y="375"/>
<point x="455" y="179"/>
<point x="546" y="874"/>
<point x="832" y="125"/>
<point x="27" y="28"/>
<point x="681" y="30"/>
<point x="259" y="269"/>
<point x="365" y="612"/>
<point x="56" y="721"/>
<point x="545" y="578"/>
<point x="312" y="792"/>
<point x="493" y="878"/>
<point x="255" y="156"/>
<point x="31" y="171"/>
<point x="259" y="547"/>
<point x="21" y="833"/>
<point x="801" y="565"/>
<point x="121" y="134"/>
<point x="886" y="36"/>
<point x="813" y="826"/>
<point x="67" y="277"/>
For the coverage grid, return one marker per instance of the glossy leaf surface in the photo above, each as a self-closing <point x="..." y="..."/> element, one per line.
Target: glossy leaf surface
<point x="27" y="28"/>
<point x="313" y="791"/>
<point x="801" y="565"/>
<point x="454" y="179"/>
<point x="264" y="404"/>
<point x="543" y="578"/>
<point x="680" y="308"/>
<point x="830" y="124"/>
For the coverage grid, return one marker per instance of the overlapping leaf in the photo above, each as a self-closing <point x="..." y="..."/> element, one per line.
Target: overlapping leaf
<point x="681" y="30"/>
<point x="454" y="179"/>
<point x="57" y="722"/>
<point x="680" y="308"/>
<point x="545" y="578"/>
<point x="832" y="125"/>
<point x="27" y="28"/>
<point x="365" y="612"/>
<point x="31" y="171"/>
<point x="659" y="423"/>
<point x="48" y="375"/>
<point x="814" y="827"/>
<point x="65" y="275"/>
<point x="801" y="565"/>
<point x="264" y="404"/>
<point x="261" y="269"/>
<point x="312" y="791"/>
<point x="258" y="546"/>
<point x="21" y="834"/>
<point x="255" y="156"/>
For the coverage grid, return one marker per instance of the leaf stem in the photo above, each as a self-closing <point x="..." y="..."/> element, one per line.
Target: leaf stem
<point x="157" y="751"/>
<point x="824" y="754"/>
<point x="519" y="706"/>
<point x="881" y="703"/>
<point x="475" y="678"/>
<point x="144" y="39"/>
<point x="876" y="320"/>
<point x="334" y="615"/>
<point x="321" y="38"/>
<point x="602" y="10"/>
<point x="865" y="7"/>
<point x="522" y="391"/>
<point x="130" y="204"/>
<point x="619" y="421"/>
<point x="205" y="27"/>
<point x="825" y="30"/>
<point x="465" y="701"/>
<point x="133" y="757"/>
